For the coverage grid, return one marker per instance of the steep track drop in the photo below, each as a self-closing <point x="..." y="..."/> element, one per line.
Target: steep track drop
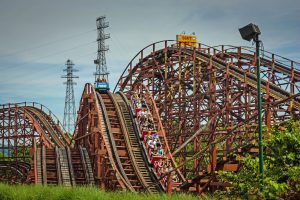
<point x="138" y="155"/>
<point x="127" y="144"/>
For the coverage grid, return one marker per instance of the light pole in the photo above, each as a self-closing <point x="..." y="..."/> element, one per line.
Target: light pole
<point x="252" y="32"/>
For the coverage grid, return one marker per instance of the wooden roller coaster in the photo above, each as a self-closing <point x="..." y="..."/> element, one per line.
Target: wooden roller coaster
<point x="203" y="105"/>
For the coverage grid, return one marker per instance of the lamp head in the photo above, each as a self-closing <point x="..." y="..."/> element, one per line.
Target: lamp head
<point x="249" y="32"/>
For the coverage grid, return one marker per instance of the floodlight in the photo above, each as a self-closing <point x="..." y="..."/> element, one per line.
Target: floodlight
<point x="249" y="32"/>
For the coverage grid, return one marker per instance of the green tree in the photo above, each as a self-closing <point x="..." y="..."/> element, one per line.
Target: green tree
<point x="282" y="167"/>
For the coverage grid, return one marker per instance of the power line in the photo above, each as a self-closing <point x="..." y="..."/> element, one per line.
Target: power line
<point x="33" y="75"/>
<point x="49" y="55"/>
<point x="45" y="44"/>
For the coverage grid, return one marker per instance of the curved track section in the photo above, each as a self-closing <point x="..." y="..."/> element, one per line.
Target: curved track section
<point x="207" y="101"/>
<point x="21" y="123"/>
<point x="23" y="126"/>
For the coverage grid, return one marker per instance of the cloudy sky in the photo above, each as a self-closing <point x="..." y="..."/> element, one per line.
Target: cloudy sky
<point x="38" y="36"/>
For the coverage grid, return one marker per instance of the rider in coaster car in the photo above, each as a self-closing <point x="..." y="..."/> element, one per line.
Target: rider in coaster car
<point x="142" y="115"/>
<point x="160" y="151"/>
<point x="155" y="141"/>
<point x="148" y="137"/>
<point x="143" y="102"/>
<point x="154" y="136"/>
<point x="135" y="100"/>
<point x="150" y="125"/>
<point x="150" y="145"/>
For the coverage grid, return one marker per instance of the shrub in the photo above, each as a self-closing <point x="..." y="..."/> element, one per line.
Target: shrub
<point x="281" y="167"/>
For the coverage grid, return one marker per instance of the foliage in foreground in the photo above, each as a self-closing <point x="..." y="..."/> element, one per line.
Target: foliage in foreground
<point x="35" y="192"/>
<point x="281" y="167"/>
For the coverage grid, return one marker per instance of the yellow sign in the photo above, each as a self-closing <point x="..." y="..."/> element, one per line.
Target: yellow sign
<point x="186" y="40"/>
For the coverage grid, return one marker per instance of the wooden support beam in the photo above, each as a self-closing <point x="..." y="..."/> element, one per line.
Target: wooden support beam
<point x="231" y="167"/>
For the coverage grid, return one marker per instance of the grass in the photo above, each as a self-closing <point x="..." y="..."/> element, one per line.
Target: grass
<point x="34" y="192"/>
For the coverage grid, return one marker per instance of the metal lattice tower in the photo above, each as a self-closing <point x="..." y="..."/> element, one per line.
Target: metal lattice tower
<point x="70" y="110"/>
<point x="101" y="68"/>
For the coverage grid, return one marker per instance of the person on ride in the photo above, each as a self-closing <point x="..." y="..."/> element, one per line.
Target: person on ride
<point x="135" y="100"/>
<point x="149" y="136"/>
<point x="145" y="124"/>
<point x="143" y="102"/>
<point x="160" y="151"/>
<point x="142" y="116"/>
<point x="150" y="125"/>
<point x="150" y="145"/>
<point x="155" y="141"/>
<point x="151" y="122"/>
<point x="154" y="152"/>
<point x="155" y="136"/>
<point x="151" y="119"/>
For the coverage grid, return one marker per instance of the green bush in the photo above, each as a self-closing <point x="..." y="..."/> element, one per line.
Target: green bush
<point x="281" y="167"/>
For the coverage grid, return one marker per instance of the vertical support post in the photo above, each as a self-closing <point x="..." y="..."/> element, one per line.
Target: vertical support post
<point x="130" y="72"/>
<point x="268" y="109"/>
<point x="292" y="86"/>
<point x="169" y="184"/>
<point x="194" y="71"/>
<point x="212" y="112"/>
<point x="35" y="161"/>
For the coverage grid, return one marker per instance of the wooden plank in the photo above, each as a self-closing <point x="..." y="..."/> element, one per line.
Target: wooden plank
<point x="115" y="130"/>
<point x="95" y="129"/>
<point x="122" y="153"/>
<point x="204" y="180"/>
<point x="223" y="184"/>
<point x="192" y="189"/>
<point x="230" y="167"/>
<point x="253" y="150"/>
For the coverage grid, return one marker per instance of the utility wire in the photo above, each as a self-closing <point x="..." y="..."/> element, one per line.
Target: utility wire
<point x="119" y="43"/>
<point x="34" y="60"/>
<point x="50" y="55"/>
<point x="31" y="76"/>
<point x="45" y="44"/>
